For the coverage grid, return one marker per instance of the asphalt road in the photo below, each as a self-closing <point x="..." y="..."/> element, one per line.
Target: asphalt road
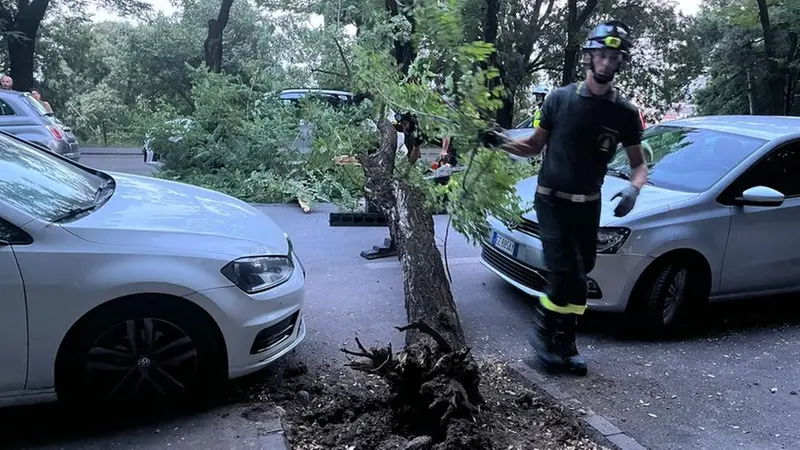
<point x="712" y="389"/>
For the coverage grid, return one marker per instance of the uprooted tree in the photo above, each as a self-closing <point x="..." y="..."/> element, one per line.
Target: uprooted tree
<point x="434" y="380"/>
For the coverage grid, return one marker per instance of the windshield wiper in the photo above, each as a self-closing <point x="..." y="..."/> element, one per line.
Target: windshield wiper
<point x="75" y="212"/>
<point x="106" y="187"/>
<point x="100" y="197"/>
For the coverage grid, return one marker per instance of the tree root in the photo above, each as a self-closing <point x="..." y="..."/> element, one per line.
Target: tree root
<point x="431" y="385"/>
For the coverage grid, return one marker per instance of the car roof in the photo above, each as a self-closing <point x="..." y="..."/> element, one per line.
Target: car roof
<point x="11" y="92"/>
<point x="761" y="127"/>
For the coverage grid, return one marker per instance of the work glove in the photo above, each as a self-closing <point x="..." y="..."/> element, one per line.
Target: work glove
<point x="628" y="200"/>
<point x="492" y="138"/>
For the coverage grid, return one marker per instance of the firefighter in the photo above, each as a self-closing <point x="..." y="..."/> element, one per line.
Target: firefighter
<point x="581" y="125"/>
<point x="539" y="93"/>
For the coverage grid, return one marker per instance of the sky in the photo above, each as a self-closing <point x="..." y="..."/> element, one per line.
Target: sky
<point x="686" y="6"/>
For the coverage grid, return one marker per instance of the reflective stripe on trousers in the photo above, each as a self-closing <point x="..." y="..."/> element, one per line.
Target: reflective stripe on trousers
<point x="567" y="309"/>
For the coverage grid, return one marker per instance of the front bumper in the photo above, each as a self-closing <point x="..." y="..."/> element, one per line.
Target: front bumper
<point x="610" y="283"/>
<point x="259" y="329"/>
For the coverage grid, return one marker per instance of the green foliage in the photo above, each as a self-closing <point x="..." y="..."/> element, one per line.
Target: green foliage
<point x="731" y="38"/>
<point x="101" y="113"/>
<point x="445" y="105"/>
<point x="241" y="141"/>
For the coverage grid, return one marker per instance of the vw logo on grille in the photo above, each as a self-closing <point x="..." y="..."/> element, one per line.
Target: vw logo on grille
<point x="144" y="363"/>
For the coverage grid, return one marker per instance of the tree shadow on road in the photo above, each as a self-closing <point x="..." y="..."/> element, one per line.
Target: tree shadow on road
<point x="55" y="425"/>
<point x="713" y="320"/>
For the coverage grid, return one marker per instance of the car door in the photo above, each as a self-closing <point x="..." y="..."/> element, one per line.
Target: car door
<point x="13" y="314"/>
<point x="763" y="250"/>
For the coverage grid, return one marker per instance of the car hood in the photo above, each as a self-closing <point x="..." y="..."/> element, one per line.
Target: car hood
<point x="651" y="197"/>
<point x="154" y="213"/>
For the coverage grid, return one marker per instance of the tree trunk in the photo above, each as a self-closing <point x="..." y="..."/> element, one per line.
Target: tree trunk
<point x="427" y="290"/>
<point x="21" y="54"/>
<point x="791" y="76"/>
<point x="751" y="91"/>
<point x="21" y="49"/>
<point x="776" y="79"/>
<point x="575" y="22"/>
<point x="434" y="381"/>
<point x="505" y="115"/>
<point x="404" y="52"/>
<point x="569" y="73"/>
<point x="212" y="47"/>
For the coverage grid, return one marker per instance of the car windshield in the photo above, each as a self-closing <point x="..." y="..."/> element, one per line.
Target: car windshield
<point x="41" y="184"/>
<point x="688" y="159"/>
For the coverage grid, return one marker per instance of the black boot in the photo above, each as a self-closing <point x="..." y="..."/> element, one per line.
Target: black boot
<point x="575" y="363"/>
<point x="544" y="341"/>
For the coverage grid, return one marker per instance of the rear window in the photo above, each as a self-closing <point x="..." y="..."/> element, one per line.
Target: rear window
<point x="38" y="107"/>
<point x="335" y="100"/>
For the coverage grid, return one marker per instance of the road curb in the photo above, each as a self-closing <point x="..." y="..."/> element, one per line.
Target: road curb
<point x="272" y="435"/>
<point x="596" y="426"/>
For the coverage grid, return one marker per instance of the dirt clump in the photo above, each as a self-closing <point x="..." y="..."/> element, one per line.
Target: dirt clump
<point x="338" y="408"/>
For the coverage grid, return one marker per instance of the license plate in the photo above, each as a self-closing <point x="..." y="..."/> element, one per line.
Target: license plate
<point x="506" y="245"/>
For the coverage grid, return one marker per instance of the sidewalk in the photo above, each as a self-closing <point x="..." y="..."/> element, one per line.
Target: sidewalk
<point x="110" y="151"/>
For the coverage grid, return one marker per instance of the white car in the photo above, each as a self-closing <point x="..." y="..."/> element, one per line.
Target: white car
<point x="719" y="220"/>
<point x="118" y="286"/>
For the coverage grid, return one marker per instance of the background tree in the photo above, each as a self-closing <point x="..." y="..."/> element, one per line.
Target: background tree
<point x="20" y="22"/>
<point x="751" y="56"/>
<point x="212" y="47"/>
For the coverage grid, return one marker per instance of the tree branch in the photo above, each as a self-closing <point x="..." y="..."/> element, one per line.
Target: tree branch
<point x="224" y="13"/>
<point x="547" y="12"/>
<point x="329" y="72"/>
<point x="586" y="12"/>
<point x="344" y="59"/>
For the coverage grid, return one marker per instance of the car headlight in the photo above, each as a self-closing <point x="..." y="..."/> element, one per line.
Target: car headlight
<point x="258" y="273"/>
<point x="610" y="239"/>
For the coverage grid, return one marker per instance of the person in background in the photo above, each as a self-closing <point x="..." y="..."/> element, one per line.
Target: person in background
<point x="38" y="96"/>
<point x="6" y="82"/>
<point x="407" y="124"/>
<point x="448" y="155"/>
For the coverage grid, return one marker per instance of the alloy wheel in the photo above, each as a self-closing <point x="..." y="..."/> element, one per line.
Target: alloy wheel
<point x="141" y="358"/>
<point x="675" y="297"/>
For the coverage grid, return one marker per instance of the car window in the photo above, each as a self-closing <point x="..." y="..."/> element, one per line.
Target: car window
<point x="41" y="184"/>
<point x="528" y="123"/>
<point x="689" y="159"/>
<point x="780" y="170"/>
<point x="5" y="109"/>
<point x="11" y="234"/>
<point x="35" y="104"/>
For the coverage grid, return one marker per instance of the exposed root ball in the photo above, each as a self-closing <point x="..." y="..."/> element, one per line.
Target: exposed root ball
<point x="430" y="387"/>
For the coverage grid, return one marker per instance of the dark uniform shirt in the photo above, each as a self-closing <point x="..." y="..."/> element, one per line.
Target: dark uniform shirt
<point x="585" y="131"/>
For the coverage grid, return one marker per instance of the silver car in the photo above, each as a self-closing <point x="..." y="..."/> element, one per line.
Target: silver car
<point x="719" y="219"/>
<point x="23" y="116"/>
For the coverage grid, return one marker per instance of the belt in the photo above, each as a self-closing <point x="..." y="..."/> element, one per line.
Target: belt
<point x="576" y="198"/>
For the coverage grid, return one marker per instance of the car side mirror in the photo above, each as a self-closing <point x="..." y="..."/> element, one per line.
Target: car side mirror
<point x="760" y="196"/>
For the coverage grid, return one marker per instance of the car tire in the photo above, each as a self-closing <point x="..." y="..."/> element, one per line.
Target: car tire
<point x="175" y="357"/>
<point x="666" y="298"/>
